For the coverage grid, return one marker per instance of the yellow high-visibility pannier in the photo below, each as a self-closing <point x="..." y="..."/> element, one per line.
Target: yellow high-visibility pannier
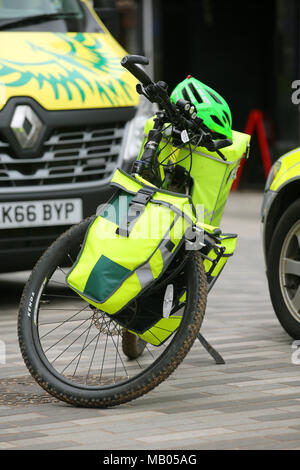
<point x="130" y="243"/>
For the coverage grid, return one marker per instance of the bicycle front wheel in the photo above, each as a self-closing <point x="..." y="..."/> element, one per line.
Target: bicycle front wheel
<point x="78" y="354"/>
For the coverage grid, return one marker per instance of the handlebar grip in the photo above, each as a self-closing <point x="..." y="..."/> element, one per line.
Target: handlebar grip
<point x="130" y="62"/>
<point x="134" y="59"/>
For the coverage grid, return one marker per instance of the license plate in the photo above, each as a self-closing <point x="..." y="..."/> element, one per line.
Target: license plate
<point x="40" y="213"/>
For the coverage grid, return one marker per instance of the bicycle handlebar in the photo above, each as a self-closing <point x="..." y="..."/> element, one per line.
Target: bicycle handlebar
<point x="130" y="62"/>
<point x="157" y="92"/>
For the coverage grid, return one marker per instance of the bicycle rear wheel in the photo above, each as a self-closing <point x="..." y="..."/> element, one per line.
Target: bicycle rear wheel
<point x="132" y="346"/>
<point x="78" y="353"/>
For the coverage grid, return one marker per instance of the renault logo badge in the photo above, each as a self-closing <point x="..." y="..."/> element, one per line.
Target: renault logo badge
<point x="26" y="126"/>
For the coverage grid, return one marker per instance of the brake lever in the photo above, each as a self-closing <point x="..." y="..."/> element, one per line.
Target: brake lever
<point x="141" y="91"/>
<point x="223" y="144"/>
<point x="215" y="146"/>
<point x="212" y="147"/>
<point x="221" y="155"/>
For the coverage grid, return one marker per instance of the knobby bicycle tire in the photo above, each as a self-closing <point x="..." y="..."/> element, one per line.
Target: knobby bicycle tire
<point x="44" y="303"/>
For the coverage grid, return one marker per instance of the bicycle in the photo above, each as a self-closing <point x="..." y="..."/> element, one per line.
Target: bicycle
<point x="78" y="353"/>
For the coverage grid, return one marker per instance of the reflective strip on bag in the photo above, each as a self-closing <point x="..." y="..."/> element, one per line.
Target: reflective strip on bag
<point x="145" y="275"/>
<point x="161" y="331"/>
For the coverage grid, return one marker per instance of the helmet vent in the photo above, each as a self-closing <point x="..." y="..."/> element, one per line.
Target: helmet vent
<point x="227" y="117"/>
<point x="214" y="97"/>
<point x="216" y="120"/>
<point x="195" y="93"/>
<point x="185" y="95"/>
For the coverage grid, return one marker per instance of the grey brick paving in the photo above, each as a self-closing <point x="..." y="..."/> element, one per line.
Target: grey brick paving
<point x="251" y="402"/>
<point x="20" y="436"/>
<point x="59" y="445"/>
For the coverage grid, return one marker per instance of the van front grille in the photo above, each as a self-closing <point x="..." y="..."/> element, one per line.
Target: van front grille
<point x="69" y="157"/>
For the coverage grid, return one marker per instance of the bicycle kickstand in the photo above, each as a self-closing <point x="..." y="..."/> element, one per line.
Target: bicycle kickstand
<point x="214" y="354"/>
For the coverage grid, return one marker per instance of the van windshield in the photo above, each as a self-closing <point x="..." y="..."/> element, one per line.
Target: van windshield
<point x="47" y="15"/>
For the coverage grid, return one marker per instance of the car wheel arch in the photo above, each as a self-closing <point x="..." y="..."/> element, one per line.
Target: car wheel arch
<point x="286" y="195"/>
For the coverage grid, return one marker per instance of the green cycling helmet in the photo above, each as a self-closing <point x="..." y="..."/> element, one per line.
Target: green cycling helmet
<point x="210" y="106"/>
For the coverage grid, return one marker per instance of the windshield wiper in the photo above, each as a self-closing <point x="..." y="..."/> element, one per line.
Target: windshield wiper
<point x="37" y="19"/>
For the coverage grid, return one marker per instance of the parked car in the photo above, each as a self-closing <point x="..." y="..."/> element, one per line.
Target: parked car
<point x="281" y="239"/>
<point x="69" y="115"/>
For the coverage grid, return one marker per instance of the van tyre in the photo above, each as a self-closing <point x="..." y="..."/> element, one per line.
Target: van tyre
<point x="283" y="270"/>
<point x="110" y="394"/>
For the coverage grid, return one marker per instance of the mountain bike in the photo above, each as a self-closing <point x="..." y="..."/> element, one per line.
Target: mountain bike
<point x="83" y="356"/>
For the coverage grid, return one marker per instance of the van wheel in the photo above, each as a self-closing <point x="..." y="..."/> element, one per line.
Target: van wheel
<point x="283" y="266"/>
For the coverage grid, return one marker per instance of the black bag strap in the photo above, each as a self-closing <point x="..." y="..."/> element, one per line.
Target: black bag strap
<point x="136" y="208"/>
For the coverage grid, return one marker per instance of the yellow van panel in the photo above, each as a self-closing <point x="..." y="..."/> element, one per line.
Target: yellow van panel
<point x="65" y="70"/>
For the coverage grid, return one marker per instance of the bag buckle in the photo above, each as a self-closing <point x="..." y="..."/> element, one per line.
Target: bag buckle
<point x="136" y="208"/>
<point x="142" y="196"/>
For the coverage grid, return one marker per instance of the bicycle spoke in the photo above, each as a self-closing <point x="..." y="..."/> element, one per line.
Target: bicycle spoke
<point x="118" y="351"/>
<point x="62" y="296"/>
<point x="71" y="344"/>
<point x="149" y="350"/>
<point x="70" y="332"/>
<point x="69" y="256"/>
<point x="58" y="282"/>
<point x="64" y="273"/>
<point x="94" y="352"/>
<point x="103" y="358"/>
<point x="116" y="357"/>
<point x="62" y="323"/>
<point x="86" y="346"/>
<point x="83" y="346"/>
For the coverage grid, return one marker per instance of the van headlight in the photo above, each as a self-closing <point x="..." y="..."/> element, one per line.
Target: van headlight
<point x="272" y="175"/>
<point x="135" y="130"/>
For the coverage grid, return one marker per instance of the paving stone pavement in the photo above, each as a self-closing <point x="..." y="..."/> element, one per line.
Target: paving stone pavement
<point x="251" y="402"/>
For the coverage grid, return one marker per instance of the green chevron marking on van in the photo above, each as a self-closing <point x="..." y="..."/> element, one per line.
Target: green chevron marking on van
<point x="74" y="69"/>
